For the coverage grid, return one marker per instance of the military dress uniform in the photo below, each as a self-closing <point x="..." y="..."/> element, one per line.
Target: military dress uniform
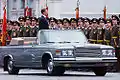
<point x="33" y="32"/>
<point x="21" y="30"/>
<point x="107" y="36"/>
<point x="100" y="33"/>
<point x="86" y="32"/>
<point x="115" y="36"/>
<point x="26" y="32"/>
<point x="93" y="36"/>
<point x="34" y="29"/>
<point x="27" y="27"/>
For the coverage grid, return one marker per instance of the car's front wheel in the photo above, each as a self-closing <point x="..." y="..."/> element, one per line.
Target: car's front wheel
<point x="54" y="70"/>
<point x="100" y="71"/>
<point x="11" y="68"/>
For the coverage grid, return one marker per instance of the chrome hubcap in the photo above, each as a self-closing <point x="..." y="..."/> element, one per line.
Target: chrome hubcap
<point x="10" y="65"/>
<point x="50" y="66"/>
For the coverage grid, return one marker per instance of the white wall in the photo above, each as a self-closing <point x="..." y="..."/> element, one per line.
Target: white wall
<point x="90" y="7"/>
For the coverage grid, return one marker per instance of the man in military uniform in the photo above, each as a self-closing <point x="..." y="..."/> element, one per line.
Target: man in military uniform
<point x="114" y="34"/>
<point x="53" y="23"/>
<point x="27" y="27"/>
<point x="9" y="31"/>
<point x="86" y="28"/>
<point x="80" y="23"/>
<point x="66" y="23"/>
<point x="59" y="23"/>
<point x="21" y="20"/>
<point x="115" y="42"/>
<point x="100" y="31"/>
<point x="107" y="34"/>
<point x="34" y="28"/>
<point x="73" y="22"/>
<point x="15" y="29"/>
<point x="93" y="32"/>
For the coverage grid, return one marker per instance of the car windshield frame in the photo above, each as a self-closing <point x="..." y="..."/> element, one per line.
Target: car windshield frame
<point x="63" y="36"/>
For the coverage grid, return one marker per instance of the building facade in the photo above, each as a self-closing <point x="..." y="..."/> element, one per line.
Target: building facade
<point x="61" y="8"/>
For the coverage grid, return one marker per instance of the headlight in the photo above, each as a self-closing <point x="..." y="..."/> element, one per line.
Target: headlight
<point x="108" y="53"/>
<point x="64" y="52"/>
<point x="70" y="52"/>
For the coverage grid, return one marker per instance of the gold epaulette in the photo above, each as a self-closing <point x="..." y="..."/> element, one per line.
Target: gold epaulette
<point x="114" y="37"/>
<point x="99" y="40"/>
<point x="107" y="41"/>
<point x="92" y="40"/>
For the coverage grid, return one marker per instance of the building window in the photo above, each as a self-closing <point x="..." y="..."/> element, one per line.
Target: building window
<point x="14" y="5"/>
<point x="22" y="4"/>
<point x="30" y="3"/>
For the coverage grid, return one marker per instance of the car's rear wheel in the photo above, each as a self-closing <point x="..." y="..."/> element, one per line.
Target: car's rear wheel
<point x="11" y="68"/>
<point x="100" y="71"/>
<point x="54" y="70"/>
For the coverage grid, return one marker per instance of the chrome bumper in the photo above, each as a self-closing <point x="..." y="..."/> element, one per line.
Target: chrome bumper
<point x="85" y="62"/>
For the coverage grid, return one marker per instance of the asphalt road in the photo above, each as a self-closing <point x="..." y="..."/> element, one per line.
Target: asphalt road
<point x="69" y="75"/>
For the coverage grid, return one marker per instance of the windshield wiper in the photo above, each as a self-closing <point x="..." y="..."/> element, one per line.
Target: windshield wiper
<point x="76" y="42"/>
<point x="64" y="42"/>
<point x="49" y="42"/>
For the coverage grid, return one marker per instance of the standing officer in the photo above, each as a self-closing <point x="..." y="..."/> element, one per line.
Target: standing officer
<point x="114" y="34"/>
<point x="59" y="23"/>
<point x="21" y="20"/>
<point x="34" y="28"/>
<point x="66" y="23"/>
<point x="80" y="23"/>
<point x="86" y="28"/>
<point x="115" y="39"/>
<point x="93" y="32"/>
<point x="100" y="31"/>
<point x="107" y="34"/>
<point x="73" y="22"/>
<point x="27" y="27"/>
<point x="15" y="29"/>
<point x="53" y="23"/>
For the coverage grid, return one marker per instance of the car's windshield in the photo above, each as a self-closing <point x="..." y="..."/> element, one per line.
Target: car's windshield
<point x="65" y="36"/>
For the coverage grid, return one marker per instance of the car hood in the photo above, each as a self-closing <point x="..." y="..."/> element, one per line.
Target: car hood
<point x="73" y="45"/>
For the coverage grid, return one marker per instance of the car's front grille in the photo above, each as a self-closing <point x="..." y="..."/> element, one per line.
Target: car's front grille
<point x="87" y="52"/>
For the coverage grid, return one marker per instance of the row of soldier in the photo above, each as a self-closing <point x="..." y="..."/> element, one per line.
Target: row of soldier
<point x="99" y="31"/>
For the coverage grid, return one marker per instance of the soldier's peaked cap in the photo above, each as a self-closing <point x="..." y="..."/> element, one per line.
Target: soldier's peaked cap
<point x="73" y="20"/>
<point x="94" y="20"/>
<point x="53" y="19"/>
<point x="21" y="18"/>
<point x="108" y="20"/>
<point x="27" y="18"/>
<point x="86" y="19"/>
<point x="114" y="16"/>
<point x="80" y="19"/>
<point x="34" y="19"/>
<point x="60" y="20"/>
<point x="101" y="20"/>
<point x="66" y="20"/>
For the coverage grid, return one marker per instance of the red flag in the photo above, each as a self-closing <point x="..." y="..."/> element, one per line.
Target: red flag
<point x="27" y="11"/>
<point x="4" y="26"/>
<point x="77" y="13"/>
<point x="104" y="12"/>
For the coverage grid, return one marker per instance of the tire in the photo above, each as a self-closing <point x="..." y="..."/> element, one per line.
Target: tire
<point x="11" y="68"/>
<point x="100" y="71"/>
<point x="54" y="70"/>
